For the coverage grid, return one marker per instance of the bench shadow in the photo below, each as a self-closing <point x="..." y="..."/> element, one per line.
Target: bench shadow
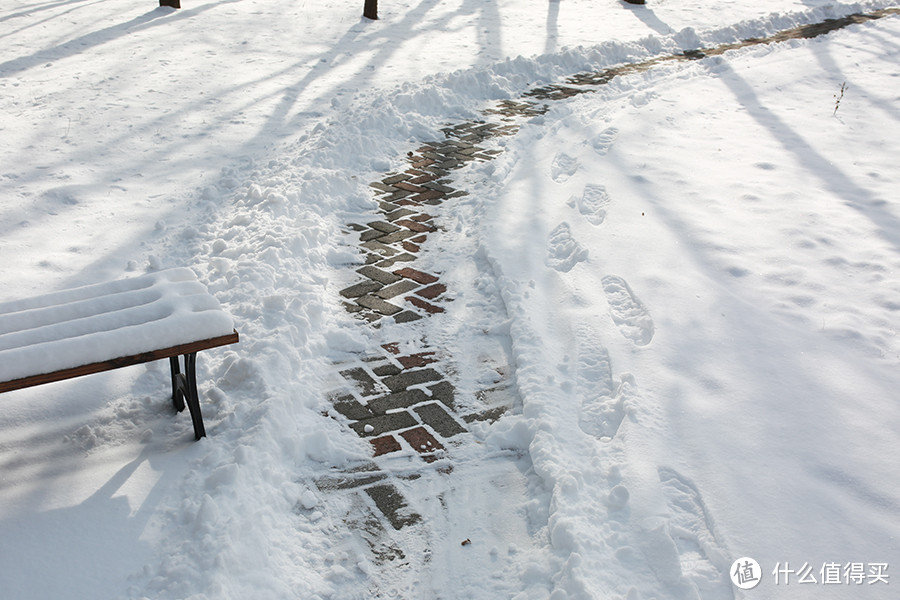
<point x="61" y="453"/>
<point x="81" y="546"/>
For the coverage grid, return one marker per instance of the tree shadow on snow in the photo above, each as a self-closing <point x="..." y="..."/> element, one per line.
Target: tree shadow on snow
<point x="38" y="8"/>
<point x="833" y="178"/>
<point x="97" y="38"/>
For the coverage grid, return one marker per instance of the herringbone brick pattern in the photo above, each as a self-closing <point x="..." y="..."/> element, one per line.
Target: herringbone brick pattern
<point x="404" y="402"/>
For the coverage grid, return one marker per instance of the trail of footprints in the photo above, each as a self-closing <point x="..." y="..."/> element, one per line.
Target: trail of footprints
<point x="401" y="399"/>
<point x="563" y="251"/>
<point x="683" y="551"/>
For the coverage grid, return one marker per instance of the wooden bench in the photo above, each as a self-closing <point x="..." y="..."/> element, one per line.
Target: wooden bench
<point x="66" y="334"/>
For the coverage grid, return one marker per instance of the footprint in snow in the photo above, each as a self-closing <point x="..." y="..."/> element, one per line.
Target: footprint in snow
<point x="604" y="140"/>
<point x="592" y="204"/>
<point x="643" y="99"/>
<point x="702" y="560"/>
<point x="601" y="416"/>
<point x="563" y="167"/>
<point x="563" y="251"/>
<point x="627" y="311"/>
<point x="603" y="401"/>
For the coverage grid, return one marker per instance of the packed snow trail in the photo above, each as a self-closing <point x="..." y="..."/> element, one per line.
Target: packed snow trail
<point x="406" y="398"/>
<point x="435" y="500"/>
<point x="640" y="504"/>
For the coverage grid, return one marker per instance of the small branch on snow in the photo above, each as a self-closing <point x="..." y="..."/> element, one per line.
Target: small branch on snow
<point x="840" y="97"/>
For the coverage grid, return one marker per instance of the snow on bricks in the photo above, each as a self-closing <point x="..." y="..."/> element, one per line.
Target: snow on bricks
<point x="403" y="404"/>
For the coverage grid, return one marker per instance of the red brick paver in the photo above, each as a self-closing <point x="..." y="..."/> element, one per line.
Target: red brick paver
<point x="385" y="445"/>
<point x="427" y="307"/>
<point x="416" y="275"/>
<point x="432" y="291"/>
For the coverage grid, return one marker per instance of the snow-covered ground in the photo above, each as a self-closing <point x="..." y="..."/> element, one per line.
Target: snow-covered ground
<point x="693" y="273"/>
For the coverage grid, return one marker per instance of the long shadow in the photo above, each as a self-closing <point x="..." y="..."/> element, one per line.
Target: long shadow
<point x="488" y="35"/>
<point x="100" y="37"/>
<point x="829" y="65"/>
<point x="552" y="26"/>
<point x="279" y="122"/>
<point x="31" y="24"/>
<point x="87" y="153"/>
<point x="886" y="224"/>
<point x="336" y="56"/>
<point x="339" y="55"/>
<point x="344" y="51"/>
<point x="649" y="18"/>
<point x="42" y="7"/>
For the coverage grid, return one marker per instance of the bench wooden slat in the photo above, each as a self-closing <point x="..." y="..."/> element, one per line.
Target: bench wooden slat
<point x="115" y="363"/>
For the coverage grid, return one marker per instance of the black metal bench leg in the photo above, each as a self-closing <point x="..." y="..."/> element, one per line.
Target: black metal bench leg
<point x="177" y="385"/>
<point x="184" y="390"/>
<point x="193" y="400"/>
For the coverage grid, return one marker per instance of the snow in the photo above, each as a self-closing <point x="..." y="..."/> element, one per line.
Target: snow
<point x="107" y="320"/>
<point x="688" y="277"/>
<point x="744" y="256"/>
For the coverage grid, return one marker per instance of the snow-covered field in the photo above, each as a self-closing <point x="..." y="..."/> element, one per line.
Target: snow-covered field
<point x="694" y="273"/>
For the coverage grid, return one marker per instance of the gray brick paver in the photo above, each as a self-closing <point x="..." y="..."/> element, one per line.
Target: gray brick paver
<point x="381" y="424"/>
<point x="360" y="289"/>
<point x="439" y="420"/>
<point x="397" y="236"/>
<point x="404" y="399"/>
<point x="402" y="381"/>
<point x="383" y="226"/>
<point x="379" y="275"/>
<point x="396" y="289"/>
<point x="378" y="305"/>
<point x="391" y="180"/>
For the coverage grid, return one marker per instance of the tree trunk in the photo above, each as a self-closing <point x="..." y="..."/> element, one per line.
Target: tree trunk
<point x="370" y="11"/>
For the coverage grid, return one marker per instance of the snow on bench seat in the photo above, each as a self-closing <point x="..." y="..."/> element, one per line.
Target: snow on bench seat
<point x="109" y="325"/>
<point x="105" y="321"/>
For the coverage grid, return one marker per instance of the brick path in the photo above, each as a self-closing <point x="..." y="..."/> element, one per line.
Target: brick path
<point x="403" y="400"/>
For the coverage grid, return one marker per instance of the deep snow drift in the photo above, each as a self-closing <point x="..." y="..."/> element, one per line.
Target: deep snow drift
<point x="692" y="272"/>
